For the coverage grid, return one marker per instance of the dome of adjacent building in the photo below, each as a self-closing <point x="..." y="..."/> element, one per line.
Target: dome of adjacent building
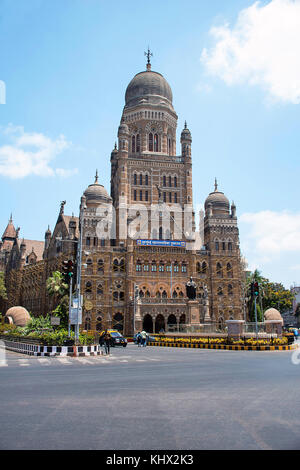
<point x="18" y="316"/>
<point x="148" y="87"/>
<point x="272" y="314"/>
<point x="218" y="200"/>
<point x="96" y="192"/>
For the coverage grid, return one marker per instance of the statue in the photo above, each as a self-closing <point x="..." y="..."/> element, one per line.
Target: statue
<point x="191" y="289"/>
<point x="205" y="294"/>
<point x="160" y="199"/>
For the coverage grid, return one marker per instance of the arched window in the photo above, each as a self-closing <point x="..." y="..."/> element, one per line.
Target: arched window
<point x="175" y="198"/>
<point x="138" y="144"/>
<point x="138" y="266"/>
<point x="134" y="195"/>
<point x="160" y="235"/>
<point x="229" y="270"/>
<point x="88" y="287"/>
<point x="156" y="148"/>
<point x="141" y="293"/>
<point x="170" y="181"/>
<point x="150" y="144"/>
<point x="174" y="295"/>
<point x="204" y="268"/>
<point x="122" y="265"/>
<point x="100" y="266"/>
<point x="216" y="245"/>
<point x="164" y="181"/>
<point x="169" y="146"/>
<point x="230" y="289"/>
<point x="175" y="181"/>
<point x="176" y="267"/>
<point x="134" y="178"/>
<point x="146" y="179"/>
<point x="133" y="144"/>
<point x="141" y="179"/>
<point x="164" y="294"/>
<point x="161" y="267"/>
<point x="118" y="322"/>
<point x="220" y="291"/>
<point x="183" y="267"/>
<point x="99" y="289"/>
<point x="147" y="293"/>
<point x="99" y="323"/>
<point x="219" y="270"/>
<point x="229" y="246"/>
<point x="115" y="265"/>
<point x="153" y="267"/>
<point x="115" y="296"/>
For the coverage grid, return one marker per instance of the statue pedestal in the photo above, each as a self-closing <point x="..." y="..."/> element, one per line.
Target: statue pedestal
<point x="193" y="312"/>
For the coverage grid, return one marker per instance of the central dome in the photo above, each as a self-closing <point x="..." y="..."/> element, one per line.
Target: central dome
<point x="148" y="87"/>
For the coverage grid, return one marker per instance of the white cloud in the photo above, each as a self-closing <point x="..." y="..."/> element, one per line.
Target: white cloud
<point x="262" y="48"/>
<point x="271" y="243"/>
<point x="30" y="153"/>
<point x="272" y="233"/>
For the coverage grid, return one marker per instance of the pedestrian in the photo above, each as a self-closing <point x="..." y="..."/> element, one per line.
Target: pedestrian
<point x="138" y="339"/>
<point x="106" y="340"/>
<point x="144" y="338"/>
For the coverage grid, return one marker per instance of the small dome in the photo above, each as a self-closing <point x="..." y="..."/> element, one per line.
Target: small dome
<point x="19" y="316"/>
<point x="148" y="87"/>
<point x="96" y="193"/>
<point x="272" y="314"/>
<point x="218" y="200"/>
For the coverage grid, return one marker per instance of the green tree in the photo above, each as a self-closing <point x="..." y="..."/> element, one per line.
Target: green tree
<point x="271" y="294"/>
<point x="58" y="289"/>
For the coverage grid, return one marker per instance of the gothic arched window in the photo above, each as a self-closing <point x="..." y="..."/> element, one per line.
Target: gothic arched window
<point x="219" y="270"/>
<point x="133" y="144"/>
<point x="150" y="146"/>
<point x="156" y="143"/>
<point x="138" y="144"/>
<point x="134" y="178"/>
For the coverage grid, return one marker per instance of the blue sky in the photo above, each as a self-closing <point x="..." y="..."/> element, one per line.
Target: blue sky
<point x="66" y="65"/>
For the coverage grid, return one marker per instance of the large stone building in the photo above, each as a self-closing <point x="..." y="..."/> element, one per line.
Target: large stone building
<point x="143" y="234"/>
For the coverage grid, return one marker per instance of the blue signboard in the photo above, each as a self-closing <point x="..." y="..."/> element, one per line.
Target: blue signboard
<point x="176" y="243"/>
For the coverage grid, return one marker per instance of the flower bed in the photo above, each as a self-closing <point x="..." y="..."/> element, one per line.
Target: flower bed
<point x="223" y="341"/>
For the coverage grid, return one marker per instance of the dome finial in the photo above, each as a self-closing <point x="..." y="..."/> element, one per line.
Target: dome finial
<point x="216" y="185"/>
<point x="115" y="145"/>
<point x="96" y="177"/>
<point x="185" y="125"/>
<point x="148" y="54"/>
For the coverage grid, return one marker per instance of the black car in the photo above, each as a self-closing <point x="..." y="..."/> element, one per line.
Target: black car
<point x="117" y="339"/>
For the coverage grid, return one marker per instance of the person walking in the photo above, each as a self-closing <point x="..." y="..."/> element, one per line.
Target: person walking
<point x="144" y="338"/>
<point x="106" y="341"/>
<point x="139" y="339"/>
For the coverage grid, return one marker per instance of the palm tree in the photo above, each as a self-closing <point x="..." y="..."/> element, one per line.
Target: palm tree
<point x="56" y="286"/>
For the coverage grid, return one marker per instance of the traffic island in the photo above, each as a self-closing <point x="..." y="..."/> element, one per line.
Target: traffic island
<point x="32" y="349"/>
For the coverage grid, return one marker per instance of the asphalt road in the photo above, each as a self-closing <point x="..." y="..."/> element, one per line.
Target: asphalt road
<point x="151" y="399"/>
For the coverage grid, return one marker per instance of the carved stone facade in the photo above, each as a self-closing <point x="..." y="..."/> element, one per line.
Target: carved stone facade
<point x="141" y="249"/>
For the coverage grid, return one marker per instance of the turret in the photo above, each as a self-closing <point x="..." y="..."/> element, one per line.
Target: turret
<point x="186" y="142"/>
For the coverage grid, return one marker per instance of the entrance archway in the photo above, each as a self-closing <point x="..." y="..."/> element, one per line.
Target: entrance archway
<point x="159" y="323"/>
<point x="148" y="323"/>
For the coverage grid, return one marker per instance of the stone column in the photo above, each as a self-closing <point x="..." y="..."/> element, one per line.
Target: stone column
<point x="235" y="328"/>
<point x="274" y="326"/>
<point x="138" y="316"/>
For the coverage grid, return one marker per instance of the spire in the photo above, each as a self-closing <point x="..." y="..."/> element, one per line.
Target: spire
<point x="10" y="219"/>
<point x="96" y="177"/>
<point x="185" y="125"/>
<point x="216" y="185"/>
<point x="148" y="54"/>
<point x="115" y="146"/>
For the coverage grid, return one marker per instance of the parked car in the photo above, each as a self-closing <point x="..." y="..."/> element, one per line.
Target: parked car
<point x="116" y="339"/>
